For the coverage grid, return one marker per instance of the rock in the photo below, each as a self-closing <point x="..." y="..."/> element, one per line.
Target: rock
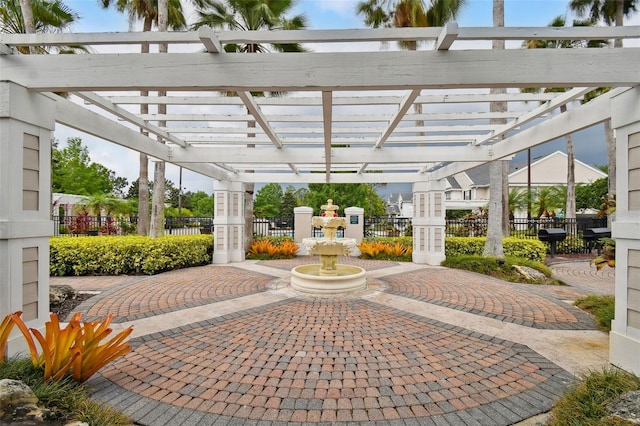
<point x="59" y="293"/>
<point x="530" y="273"/>
<point x="18" y="402"/>
<point x="627" y="407"/>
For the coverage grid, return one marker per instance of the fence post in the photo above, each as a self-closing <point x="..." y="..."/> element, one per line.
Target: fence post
<point x="302" y="226"/>
<point x="355" y="225"/>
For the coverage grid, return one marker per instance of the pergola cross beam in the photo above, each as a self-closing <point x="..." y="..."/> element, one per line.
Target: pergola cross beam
<point x="130" y="117"/>
<point x="254" y="110"/>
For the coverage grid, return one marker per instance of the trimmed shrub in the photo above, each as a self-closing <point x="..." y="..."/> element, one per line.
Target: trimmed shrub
<point x="516" y="247"/>
<point x="406" y="240"/>
<point x="128" y="255"/>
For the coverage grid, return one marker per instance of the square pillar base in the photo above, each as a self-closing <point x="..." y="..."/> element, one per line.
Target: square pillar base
<point x="623" y="352"/>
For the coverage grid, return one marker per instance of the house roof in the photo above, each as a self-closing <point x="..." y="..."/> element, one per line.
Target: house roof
<point x="407" y="197"/>
<point x="453" y="182"/>
<point x="480" y="175"/>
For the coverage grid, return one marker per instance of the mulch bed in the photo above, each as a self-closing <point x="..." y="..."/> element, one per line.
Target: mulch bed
<point x="66" y="307"/>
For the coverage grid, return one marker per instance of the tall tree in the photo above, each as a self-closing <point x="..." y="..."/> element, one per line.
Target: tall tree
<point x="268" y="200"/>
<point x="250" y="15"/>
<point x="289" y="202"/>
<point x="147" y="11"/>
<point x="158" y="204"/>
<point x="73" y="172"/>
<point x="610" y="12"/>
<point x="201" y="204"/>
<point x="37" y="16"/>
<point x="498" y="192"/>
<point x="343" y="195"/>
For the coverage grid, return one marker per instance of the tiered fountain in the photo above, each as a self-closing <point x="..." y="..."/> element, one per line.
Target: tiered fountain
<point x="329" y="277"/>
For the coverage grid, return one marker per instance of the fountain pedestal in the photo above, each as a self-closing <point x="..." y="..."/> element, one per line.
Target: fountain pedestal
<point x="329" y="277"/>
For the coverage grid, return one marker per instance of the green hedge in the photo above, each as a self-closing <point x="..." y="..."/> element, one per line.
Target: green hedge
<point x="516" y="247"/>
<point x="127" y="255"/>
<point x="407" y="241"/>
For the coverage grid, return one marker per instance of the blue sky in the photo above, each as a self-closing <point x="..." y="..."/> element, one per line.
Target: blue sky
<point x="322" y="14"/>
<point x="325" y="14"/>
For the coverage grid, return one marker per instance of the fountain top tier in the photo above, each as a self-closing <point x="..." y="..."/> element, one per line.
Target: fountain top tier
<point x="329" y="221"/>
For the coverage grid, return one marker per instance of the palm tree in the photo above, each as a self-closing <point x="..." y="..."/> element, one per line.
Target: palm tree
<point x="37" y="16"/>
<point x="409" y="13"/>
<point x="147" y="11"/>
<point x="611" y="12"/>
<point x="517" y="201"/>
<point x="548" y="199"/>
<point x="560" y="22"/>
<point x="498" y="220"/>
<point x="251" y="15"/>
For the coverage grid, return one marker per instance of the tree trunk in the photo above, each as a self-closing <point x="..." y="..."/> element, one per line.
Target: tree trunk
<point x="29" y="23"/>
<point x="570" y="210"/>
<point x="248" y="197"/>
<point x="143" y="191"/>
<point x="506" y="230"/>
<point x="619" y="20"/>
<point x="611" y="156"/>
<point x="157" y="211"/>
<point x="143" y="179"/>
<point x="493" y="246"/>
<point x="498" y="186"/>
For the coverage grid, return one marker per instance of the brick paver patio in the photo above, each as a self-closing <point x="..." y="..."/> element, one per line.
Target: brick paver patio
<point x="333" y="360"/>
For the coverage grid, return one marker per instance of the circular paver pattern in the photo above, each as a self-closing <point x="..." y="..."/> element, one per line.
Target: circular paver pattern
<point x="486" y="296"/>
<point x="337" y="360"/>
<point x="584" y="276"/>
<point x="173" y="291"/>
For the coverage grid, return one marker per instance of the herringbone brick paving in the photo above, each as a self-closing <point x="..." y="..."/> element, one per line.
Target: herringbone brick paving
<point x="340" y="360"/>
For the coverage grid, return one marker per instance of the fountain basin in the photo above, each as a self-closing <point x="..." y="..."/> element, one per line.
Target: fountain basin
<point x="307" y="278"/>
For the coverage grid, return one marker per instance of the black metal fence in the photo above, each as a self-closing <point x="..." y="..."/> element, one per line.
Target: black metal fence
<point x="387" y="226"/>
<point x="84" y="225"/>
<point x="528" y="228"/>
<point x="383" y="226"/>
<point x="273" y="226"/>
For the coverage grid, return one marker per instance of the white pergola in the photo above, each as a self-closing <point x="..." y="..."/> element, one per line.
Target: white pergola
<point x="347" y="117"/>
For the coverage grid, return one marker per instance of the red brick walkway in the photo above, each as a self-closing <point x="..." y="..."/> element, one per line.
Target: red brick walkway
<point x="307" y="360"/>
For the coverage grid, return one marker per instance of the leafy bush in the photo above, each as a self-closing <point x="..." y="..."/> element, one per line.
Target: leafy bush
<point x="128" y="254"/>
<point x="386" y="249"/>
<point x="514" y="247"/>
<point x="503" y="268"/>
<point x="74" y="349"/>
<point x="281" y="247"/>
<point x="585" y="404"/>
<point x="608" y="256"/>
<point x="601" y="307"/>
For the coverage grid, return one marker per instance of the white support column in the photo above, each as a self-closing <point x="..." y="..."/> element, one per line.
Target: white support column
<point x="624" y="344"/>
<point x="428" y="222"/>
<point x="302" y="227"/>
<point x="228" y="222"/>
<point x="26" y="122"/>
